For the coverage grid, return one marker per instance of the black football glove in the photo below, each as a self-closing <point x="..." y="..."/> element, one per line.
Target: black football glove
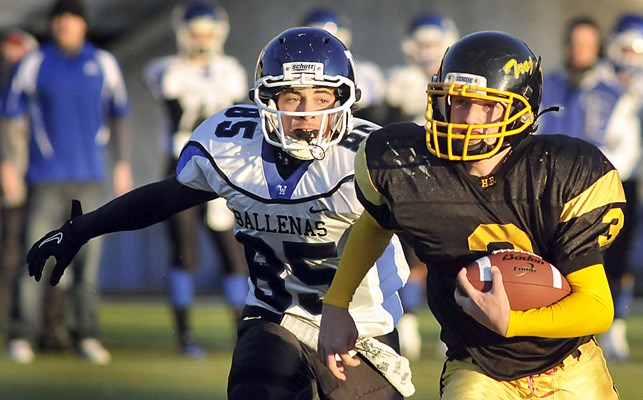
<point x="60" y="244"/>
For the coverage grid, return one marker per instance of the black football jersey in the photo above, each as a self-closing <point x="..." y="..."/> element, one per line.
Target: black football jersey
<point x="555" y="196"/>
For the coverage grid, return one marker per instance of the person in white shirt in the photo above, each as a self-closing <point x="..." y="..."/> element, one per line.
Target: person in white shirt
<point x="191" y="85"/>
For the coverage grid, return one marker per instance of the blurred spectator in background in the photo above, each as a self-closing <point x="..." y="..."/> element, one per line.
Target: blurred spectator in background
<point x="68" y="88"/>
<point x="428" y="37"/>
<point x="370" y="77"/>
<point x="191" y="86"/>
<point x="14" y="45"/>
<point x="596" y="107"/>
<point x="625" y="51"/>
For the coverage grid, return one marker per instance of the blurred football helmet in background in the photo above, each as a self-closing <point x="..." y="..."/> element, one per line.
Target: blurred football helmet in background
<point x="625" y="47"/>
<point x="201" y="28"/>
<point x="487" y="65"/>
<point x="337" y="24"/>
<point x="427" y="38"/>
<point x="303" y="58"/>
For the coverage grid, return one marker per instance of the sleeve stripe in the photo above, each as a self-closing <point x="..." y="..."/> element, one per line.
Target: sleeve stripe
<point x="558" y="280"/>
<point x="606" y="190"/>
<point x="363" y="178"/>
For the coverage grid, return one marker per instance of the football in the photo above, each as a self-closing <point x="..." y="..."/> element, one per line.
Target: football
<point x="529" y="280"/>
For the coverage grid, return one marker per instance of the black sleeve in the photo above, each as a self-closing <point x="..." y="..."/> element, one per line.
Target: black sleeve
<point x="140" y="208"/>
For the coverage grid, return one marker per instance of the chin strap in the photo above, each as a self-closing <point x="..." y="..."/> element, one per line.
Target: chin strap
<point x="308" y="135"/>
<point x="534" y="126"/>
<point x="318" y="152"/>
<point x="478" y="148"/>
<point x="550" y="109"/>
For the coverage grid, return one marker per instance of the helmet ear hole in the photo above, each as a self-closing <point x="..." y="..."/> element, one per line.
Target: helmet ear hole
<point x="344" y="92"/>
<point x="266" y="94"/>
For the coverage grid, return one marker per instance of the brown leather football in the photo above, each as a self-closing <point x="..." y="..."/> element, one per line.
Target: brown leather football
<point x="530" y="281"/>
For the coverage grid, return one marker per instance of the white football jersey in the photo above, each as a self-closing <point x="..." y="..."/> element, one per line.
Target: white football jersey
<point x="406" y="90"/>
<point x="293" y="230"/>
<point x="371" y="81"/>
<point x="201" y="91"/>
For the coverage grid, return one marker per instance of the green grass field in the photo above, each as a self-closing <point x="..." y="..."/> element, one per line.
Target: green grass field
<point x="145" y="364"/>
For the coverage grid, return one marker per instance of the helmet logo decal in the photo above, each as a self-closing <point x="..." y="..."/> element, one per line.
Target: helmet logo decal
<point x="513" y="66"/>
<point x="292" y="70"/>
<point x="466" y="79"/>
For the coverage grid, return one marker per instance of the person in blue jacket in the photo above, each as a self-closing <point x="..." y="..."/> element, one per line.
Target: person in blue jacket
<point x="597" y="107"/>
<point x="68" y="88"/>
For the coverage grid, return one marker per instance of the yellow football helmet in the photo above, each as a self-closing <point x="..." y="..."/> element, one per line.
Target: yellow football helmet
<point x="491" y="66"/>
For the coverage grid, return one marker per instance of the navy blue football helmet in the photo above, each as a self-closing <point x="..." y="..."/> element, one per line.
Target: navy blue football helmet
<point x="334" y="22"/>
<point x="625" y="47"/>
<point x="201" y="28"/>
<point x="427" y="38"/>
<point x="303" y="58"/>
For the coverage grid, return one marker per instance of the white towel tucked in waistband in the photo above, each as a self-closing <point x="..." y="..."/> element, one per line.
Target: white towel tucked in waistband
<point x="394" y="367"/>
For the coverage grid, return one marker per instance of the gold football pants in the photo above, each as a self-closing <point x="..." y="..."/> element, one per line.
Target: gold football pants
<point x="585" y="377"/>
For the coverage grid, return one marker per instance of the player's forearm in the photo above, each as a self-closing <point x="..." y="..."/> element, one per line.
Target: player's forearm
<point x="365" y="244"/>
<point x="139" y="208"/>
<point x="586" y="311"/>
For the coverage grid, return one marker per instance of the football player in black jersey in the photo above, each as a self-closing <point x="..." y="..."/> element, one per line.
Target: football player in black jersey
<point x="475" y="180"/>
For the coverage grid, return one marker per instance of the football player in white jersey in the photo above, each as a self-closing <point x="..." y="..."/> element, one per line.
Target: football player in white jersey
<point x="625" y="51"/>
<point x="192" y="85"/>
<point x="372" y="84"/>
<point x="428" y="37"/>
<point x="285" y="168"/>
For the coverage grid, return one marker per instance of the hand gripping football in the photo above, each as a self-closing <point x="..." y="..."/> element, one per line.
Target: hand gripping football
<point x="530" y="281"/>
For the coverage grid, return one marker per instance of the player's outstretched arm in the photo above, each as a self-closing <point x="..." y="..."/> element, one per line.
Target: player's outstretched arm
<point x="61" y="244"/>
<point x="134" y="210"/>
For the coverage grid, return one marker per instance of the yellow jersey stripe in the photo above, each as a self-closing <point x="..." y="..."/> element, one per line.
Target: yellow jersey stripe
<point x="607" y="190"/>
